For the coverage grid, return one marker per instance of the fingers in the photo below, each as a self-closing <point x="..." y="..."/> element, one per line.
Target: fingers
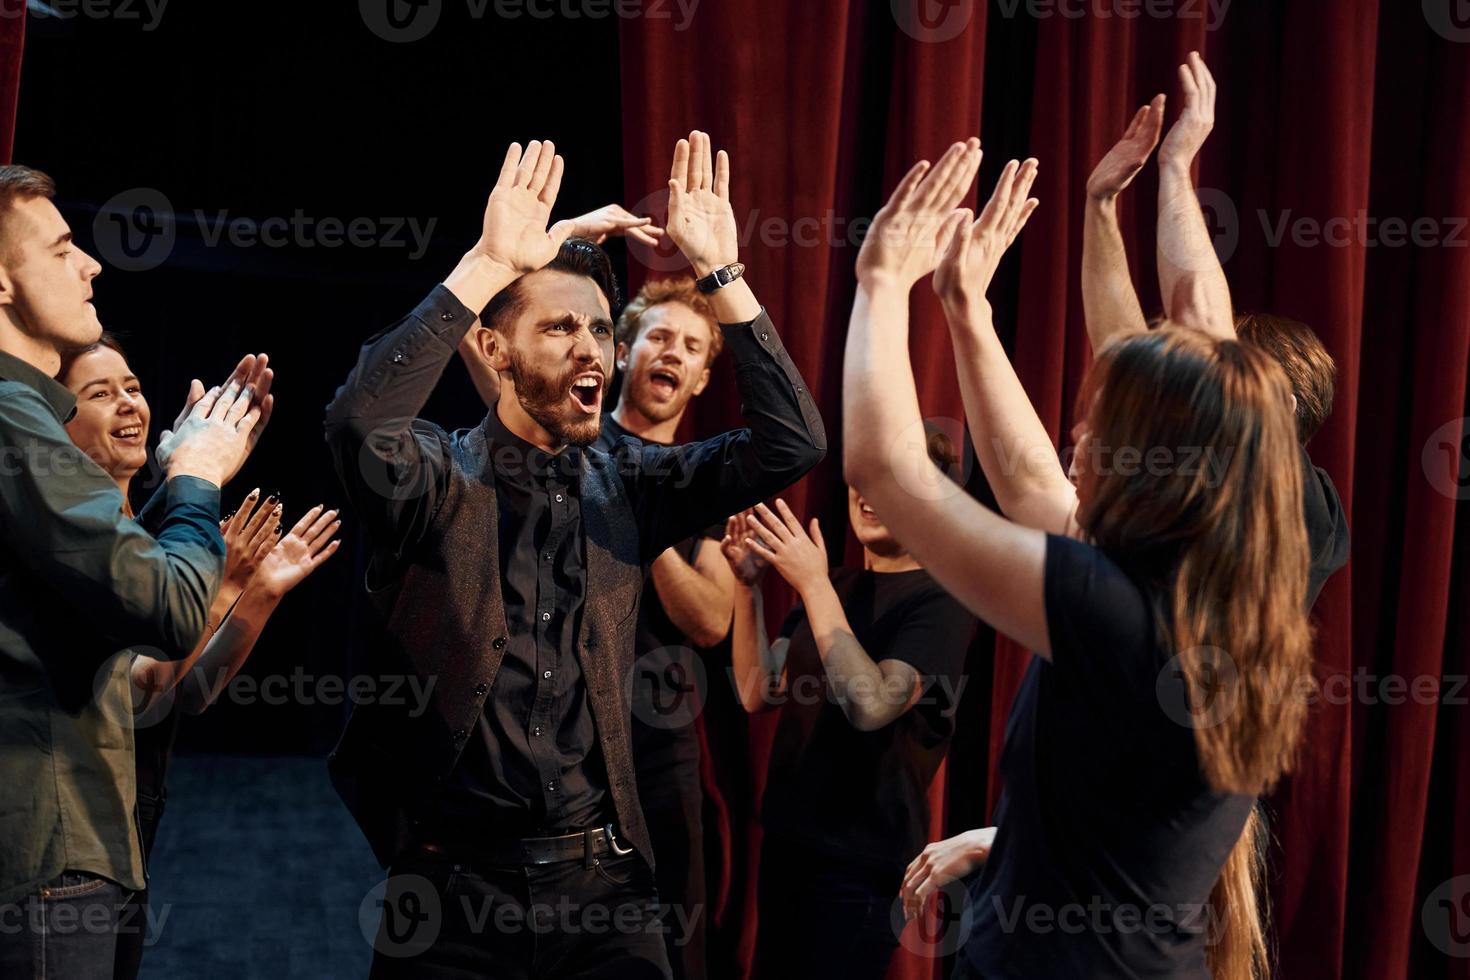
<point x="936" y="184"/>
<point x="964" y="175"/>
<point x="760" y="550"/>
<point x="263" y="523"/>
<point x="544" y="164"/>
<point x="788" y="517"/>
<point x="561" y="231"/>
<point x="306" y="520"/>
<point x="908" y="186"/>
<point x="1188" y="86"/>
<point x="954" y="227"/>
<point x="262" y="417"/>
<point x="196" y="392"/>
<point x="698" y="147"/>
<point x="552" y="187"/>
<point x="508" y="166"/>
<point x="680" y="169"/>
<point x="241" y="516"/>
<point x="707" y="177"/>
<point x="722" y="176"/>
<point x="1017" y="209"/>
<point x="1203" y="80"/>
<point x="993" y="217"/>
<point x="767" y="520"/>
<point x="526" y="169"/>
<point x="816" y="532"/>
<point x="317" y="526"/>
<point x="320" y="556"/>
<point x="1136" y="124"/>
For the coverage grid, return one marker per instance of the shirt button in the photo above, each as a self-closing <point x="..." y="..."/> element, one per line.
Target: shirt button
<point x="446" y="317"/>
<point x="765" y="336"/>
<point x="536" y="731"/>
<point x="398" y="357"/>
<point x="547" y="556"/>
<point x="481" y="689"/>
<point x="546" y="674"/>
<point x="545" y="617"/>
<point x="499" y="642"/>
<point x="558" y="498"/>
<point x="459" y="734"/>
<point x="551" y="785"/>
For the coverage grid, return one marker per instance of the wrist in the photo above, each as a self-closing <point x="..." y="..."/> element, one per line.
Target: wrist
<point x="478" y="277"/>
<point x="884" y="281"/>
<point x="209" y="474"/>
<point x="1171" y="165"/>
<point x="706" y="266"/>
<point x="1106" y="201"/>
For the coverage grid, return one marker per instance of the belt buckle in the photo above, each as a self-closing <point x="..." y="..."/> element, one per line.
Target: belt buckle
<point x="612" y="843"/>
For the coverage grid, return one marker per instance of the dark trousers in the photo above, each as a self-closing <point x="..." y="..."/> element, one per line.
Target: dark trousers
<point x="818" y="916"/>
<point x="673" y="806"/>
<point x="67" y="930"/>
<point x="447" y="917"/>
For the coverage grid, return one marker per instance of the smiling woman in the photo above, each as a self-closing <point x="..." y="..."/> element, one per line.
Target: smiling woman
<point x="111" y="421"/>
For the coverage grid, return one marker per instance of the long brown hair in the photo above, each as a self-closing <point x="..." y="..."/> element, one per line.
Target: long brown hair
<point x="1194" y="486"/>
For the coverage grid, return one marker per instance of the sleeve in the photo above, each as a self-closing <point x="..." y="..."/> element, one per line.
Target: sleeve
<point x="679" y="490"/>
<point x="1100" y="623"/>
<point x="934" y="636"/>
<point x="394" y="466"/>
<point x="1328" y="539"/>
<point x="63" y="518"/>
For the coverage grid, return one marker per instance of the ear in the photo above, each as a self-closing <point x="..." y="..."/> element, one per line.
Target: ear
<point x="620" y="358"/>
<point x="699" y="385"/>
<point x="492" y="347"/>
<point x="1293" y="404"/>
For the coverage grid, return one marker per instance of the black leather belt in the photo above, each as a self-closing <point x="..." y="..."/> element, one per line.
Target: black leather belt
<point x="585" y="846"/>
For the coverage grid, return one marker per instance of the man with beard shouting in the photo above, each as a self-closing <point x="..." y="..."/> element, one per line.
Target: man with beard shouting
<point x="508" y="561"/>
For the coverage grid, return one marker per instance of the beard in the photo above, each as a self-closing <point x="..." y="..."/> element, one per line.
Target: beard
<point x="545" y="400"/>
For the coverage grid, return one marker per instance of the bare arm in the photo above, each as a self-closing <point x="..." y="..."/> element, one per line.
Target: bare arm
<point x="991" y="565"/>
<point x="871" y="693"/>
<point x="1109" y="302"/>
<point x="697" y="597"/>
<point x="1191" y="280"/>
<point x="1013" y="447"/>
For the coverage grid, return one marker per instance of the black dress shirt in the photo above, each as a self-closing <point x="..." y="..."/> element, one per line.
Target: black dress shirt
<point x="533" y="759"/>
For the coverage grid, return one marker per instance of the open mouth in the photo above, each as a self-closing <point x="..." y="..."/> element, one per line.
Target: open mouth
<point x="663" y="381"/>
<point x="128" y="433"/>
<point x="868" y="513"/>
<point x="587" y="393"/>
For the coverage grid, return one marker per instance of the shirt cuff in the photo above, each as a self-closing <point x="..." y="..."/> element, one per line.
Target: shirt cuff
<point x="186" y="490"/>
<point x="443" y="313"/>
<point x="753" y="340"/>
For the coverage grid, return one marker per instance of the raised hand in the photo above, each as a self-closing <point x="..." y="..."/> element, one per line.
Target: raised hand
<point x="973" y="253"/>
<point x="299" y="553"/>
<point x="1192" y="128"/>
<point x="515" y="236"/>
<point x="779" y="539"/>
<point x="701" y="220"/>
<point x="614" y="219"/>
<point x="250" y="534"/>
<point x="908" y="234"/>
<point x="735" y="546"/>
<point x="1121" y="164"/>
<point x="212" y="439"/>
<point x="940" y="863"/>
<point x="253" y="372"/>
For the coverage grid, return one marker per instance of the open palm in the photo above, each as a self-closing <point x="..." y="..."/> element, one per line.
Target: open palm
<point x="515" y="235"/>
<point x="1121" y="164"/>
<point x="300" y="552"/>
<point x="701" y="220"/>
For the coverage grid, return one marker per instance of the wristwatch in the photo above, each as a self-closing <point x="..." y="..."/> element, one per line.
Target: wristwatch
<point x="720" y="278"/>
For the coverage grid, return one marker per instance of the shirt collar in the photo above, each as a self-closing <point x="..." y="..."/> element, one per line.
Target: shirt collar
<point x="522" y="464"/>
<point x="62" y="401"/>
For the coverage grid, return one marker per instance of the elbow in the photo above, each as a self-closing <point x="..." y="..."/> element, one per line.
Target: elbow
<point x="868" y="720"/>
<point x="707" y="635"/>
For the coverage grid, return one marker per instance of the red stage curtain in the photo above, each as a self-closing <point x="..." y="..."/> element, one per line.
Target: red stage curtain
<point x="12" y="41"/>
<point x="1327" y="110"/>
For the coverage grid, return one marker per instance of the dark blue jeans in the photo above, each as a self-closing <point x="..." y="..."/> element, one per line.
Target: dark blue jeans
<point x="822" y="917"/>
<point x="446" y="917"/>
<point x="65" y="931"/>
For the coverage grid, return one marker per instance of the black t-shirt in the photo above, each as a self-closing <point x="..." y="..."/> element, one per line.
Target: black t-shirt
<point x="1327" y="530"/>
<point x="863" y="796"/>
<point x="1109" y="839"/>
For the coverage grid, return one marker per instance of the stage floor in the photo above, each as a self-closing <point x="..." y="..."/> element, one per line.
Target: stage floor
<point x="259" y="871"/>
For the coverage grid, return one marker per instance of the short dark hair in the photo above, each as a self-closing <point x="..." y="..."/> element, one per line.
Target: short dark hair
<point x="577" y="256"/>
<point x="70" y="356"/>
<point x="1301" y="354"/>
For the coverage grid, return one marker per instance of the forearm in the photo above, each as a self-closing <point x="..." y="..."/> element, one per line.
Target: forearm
<point x="155" y="678"/>
<point x="227" y="650"/>
<point x="1014" y="449"/>
<point x="787" y="437"/>
<point x="868" y="697"/>
<point x="758" y="671"/>
<point x="1191" y="280"/>
<point x="1109" y="302"/>
<point x="698" y="606"/>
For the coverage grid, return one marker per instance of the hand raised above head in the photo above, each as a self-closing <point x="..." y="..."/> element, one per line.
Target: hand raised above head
<point x="615" y="220"/>
<point x="973" y="253"/>
<point x="701" y="219"/>
<point x="1121" y="164"/>
<point x="515" y="236"/>
<point x="909" y="233"/>
<point x="1196" y="120"/>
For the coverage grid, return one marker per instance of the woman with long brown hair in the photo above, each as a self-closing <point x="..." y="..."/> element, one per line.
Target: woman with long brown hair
<point x="1162" y="599"/>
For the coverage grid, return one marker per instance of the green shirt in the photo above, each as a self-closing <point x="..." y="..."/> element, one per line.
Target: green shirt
<point x="80" y="582"/>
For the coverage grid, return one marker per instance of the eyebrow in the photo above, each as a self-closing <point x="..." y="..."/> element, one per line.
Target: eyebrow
<point x="103" y="381"/>
<point x="61" y="241"/>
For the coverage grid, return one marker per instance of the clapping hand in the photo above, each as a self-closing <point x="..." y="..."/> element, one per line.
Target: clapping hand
<point x="973" y="253"/>
<point x="909" y="233"/>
